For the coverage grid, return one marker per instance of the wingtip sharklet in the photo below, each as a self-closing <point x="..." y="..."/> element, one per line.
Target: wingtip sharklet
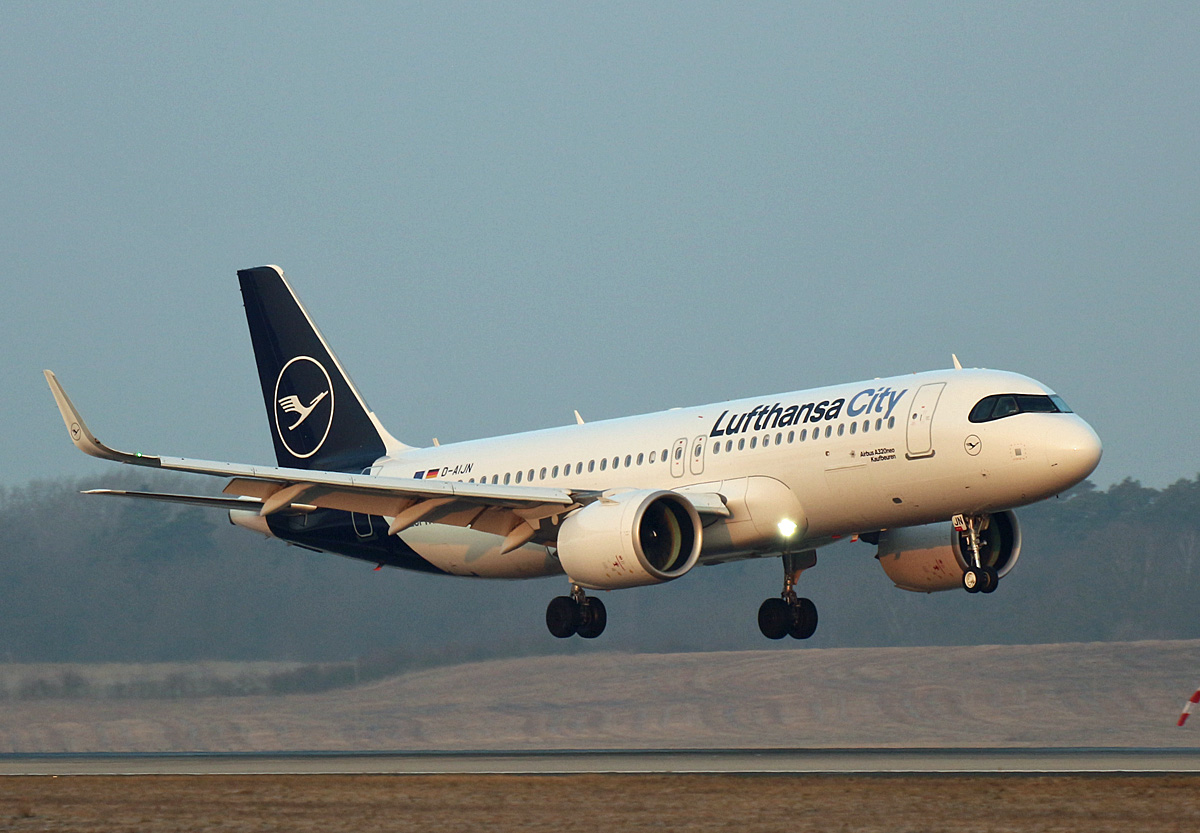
<point x="83" y="438"/>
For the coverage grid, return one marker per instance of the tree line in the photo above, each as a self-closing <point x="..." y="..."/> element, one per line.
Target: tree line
<point x="99" y="579"/>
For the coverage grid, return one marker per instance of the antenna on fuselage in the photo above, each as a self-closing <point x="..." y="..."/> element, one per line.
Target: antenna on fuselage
<point x="957" y="366"/>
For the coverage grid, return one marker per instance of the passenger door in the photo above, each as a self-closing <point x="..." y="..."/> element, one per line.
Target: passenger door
<point x="920" y="420"/>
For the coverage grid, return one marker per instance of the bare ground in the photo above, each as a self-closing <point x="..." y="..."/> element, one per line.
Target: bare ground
<point x="746" y="804"/>
<point x="1098" y="694"/>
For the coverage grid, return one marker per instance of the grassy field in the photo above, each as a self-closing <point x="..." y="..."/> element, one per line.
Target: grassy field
<point x="745" y="804"/>
<point x="1098" y="694"/>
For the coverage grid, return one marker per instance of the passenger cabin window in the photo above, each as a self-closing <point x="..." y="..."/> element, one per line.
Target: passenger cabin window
<point x="640" y="458"/>
<point x="1001" y="405"/>
<point x="603" y="464"/>
<point x="518" y="477"/>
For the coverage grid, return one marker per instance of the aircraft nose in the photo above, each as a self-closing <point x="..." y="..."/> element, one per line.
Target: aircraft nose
<point x="1074" y="451"/>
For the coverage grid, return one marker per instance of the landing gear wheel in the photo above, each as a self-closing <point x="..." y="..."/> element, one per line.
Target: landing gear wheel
<point x="592" y="618"/>
<point x="562" y="617"/>
<point x="993" y="580"/>
<point x="973" y="579"/>
<point x="774" y="618"/>
<point x="804" y="619"/>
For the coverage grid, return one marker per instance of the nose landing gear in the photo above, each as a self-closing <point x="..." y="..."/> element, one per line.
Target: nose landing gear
<point x="977" y="578"/>
<point x="577" y="614"/>
<point x="789" y="615"/>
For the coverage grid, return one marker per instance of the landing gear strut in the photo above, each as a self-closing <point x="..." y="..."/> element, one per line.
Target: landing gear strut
<point x="576" y="614"/>
<point x="789" y="615"/>
<point x="977" y="578"/>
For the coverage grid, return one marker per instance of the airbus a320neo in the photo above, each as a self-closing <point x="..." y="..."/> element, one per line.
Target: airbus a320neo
<point x="927" y="468"/>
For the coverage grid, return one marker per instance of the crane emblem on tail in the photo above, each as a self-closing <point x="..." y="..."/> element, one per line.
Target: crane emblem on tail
<point x="303" y="428"/>
<point x="292" y="405"/>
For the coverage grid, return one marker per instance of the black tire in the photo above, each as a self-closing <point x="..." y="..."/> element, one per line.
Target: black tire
<point x="592" y="618"/>
<point x="562" y="617"/>
<point x="804" y="619"/>
<point x="993" y="580"/>
<point x="973" y="580"/>
<point x="774" y="618"/>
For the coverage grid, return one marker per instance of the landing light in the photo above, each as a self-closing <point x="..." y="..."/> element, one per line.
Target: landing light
<point x="787" y="528"/>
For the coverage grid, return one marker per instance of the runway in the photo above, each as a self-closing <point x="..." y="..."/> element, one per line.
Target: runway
<point x="983" y="761"/>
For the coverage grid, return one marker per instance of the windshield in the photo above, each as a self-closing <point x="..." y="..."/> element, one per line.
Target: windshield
<point x="1000" y="405"/>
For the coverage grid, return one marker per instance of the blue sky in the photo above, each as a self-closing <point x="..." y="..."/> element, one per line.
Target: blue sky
<point x="499" y="213"/>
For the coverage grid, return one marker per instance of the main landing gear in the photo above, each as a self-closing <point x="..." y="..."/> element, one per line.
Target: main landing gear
<point x="789" y="615"/>
<point x="576" y="614"/>
<point x="977" y="578"/>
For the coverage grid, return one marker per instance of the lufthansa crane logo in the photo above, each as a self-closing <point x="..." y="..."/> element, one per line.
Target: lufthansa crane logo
<point x="303" y="406"/>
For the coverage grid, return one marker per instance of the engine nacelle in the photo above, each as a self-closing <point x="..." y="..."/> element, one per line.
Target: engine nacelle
<point x="630" y="539"/>
<point x="935" y="556"/>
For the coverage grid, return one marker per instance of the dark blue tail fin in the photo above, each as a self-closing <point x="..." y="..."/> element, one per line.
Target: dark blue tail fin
<point x="318" y="419"/>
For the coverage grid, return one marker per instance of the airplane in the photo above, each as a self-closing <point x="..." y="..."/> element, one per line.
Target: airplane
<point x="927" y="468"/>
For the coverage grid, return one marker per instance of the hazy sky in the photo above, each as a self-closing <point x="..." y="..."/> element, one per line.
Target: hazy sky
<point x="501" y="212"/>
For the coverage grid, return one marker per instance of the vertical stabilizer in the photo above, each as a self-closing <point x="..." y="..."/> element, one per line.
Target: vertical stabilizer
<point x="318" y="419"/>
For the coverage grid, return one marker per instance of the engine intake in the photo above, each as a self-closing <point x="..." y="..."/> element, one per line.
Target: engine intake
<point x="934" y="557"/>
<point x="630" y="539"/>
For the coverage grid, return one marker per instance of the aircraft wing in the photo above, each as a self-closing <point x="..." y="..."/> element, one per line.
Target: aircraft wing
<point x="514" y="512"/>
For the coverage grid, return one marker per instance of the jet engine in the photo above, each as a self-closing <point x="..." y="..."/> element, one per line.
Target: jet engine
<point x="630" y="539"/>
<point x="935" y="556"/>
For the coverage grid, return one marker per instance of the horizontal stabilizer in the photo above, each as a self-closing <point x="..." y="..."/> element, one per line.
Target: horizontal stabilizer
<point x="207" y="501"/>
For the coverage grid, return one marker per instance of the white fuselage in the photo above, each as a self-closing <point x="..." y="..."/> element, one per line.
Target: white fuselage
<point x="833" y="461"/>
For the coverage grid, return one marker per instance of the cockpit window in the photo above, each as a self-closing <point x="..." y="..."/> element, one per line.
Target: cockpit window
<point x="1005" y="406"/>
<point x="1063" y="407"/>
<point x="1000" y="405"/>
